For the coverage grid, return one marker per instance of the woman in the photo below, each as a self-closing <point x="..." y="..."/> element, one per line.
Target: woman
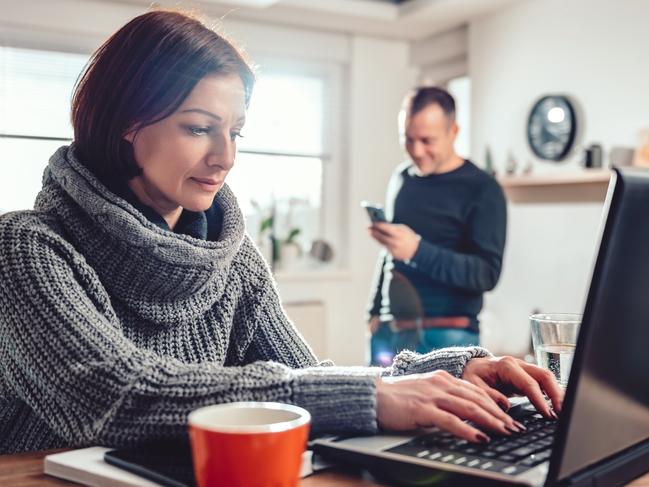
<point x="130" y="295"/>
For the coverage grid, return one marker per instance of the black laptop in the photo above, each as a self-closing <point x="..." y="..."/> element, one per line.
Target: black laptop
<point x="602" y="437"/>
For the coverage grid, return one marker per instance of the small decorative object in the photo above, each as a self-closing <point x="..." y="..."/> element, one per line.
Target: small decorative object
<point x="551" y="127"/>
<point x="488" y="162"/>
<point x="321" y="251"/>
<point x="621" y="156"/>
<point x="510" y="166"/>
<point x="593" y="156"/>
<point x="641" y="157"/>
<point x="527" y="170"/>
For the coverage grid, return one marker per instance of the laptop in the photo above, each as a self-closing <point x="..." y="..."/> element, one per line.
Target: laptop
<point x="602" y="436"/>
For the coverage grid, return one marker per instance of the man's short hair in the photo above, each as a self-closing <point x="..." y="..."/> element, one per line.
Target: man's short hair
<point x="424" y="96"/>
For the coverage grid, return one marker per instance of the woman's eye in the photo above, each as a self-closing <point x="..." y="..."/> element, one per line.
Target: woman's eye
<point x="235" y="135"/>
<point x="198" y="130"/>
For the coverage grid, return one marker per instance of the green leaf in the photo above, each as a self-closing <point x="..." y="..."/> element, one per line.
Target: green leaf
<point x="293" y="235"/>
<point x="266" y="224"/>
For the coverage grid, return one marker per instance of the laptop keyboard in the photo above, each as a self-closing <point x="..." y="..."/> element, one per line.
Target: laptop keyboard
<point x="503" y="454"/>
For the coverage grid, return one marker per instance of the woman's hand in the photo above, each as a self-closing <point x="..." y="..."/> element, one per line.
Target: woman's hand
<point x="439" y="399"/>
<point x="498" y="376"/>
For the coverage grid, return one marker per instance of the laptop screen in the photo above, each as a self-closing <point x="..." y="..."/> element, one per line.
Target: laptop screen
<point x="607" y="401"/>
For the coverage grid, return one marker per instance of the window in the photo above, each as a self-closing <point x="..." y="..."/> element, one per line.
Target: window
<point x="35" y="92"/>
<point x="285" y="157"/>
<point x="279" y="168"/>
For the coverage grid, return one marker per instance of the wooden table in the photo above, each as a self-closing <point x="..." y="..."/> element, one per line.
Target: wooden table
<point x="26" y="470"/>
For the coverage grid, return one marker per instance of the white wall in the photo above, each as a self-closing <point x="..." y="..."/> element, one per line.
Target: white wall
<point x="595" y="51"/>
<point x="441" y="57"/>
<point x="377" y="76"/>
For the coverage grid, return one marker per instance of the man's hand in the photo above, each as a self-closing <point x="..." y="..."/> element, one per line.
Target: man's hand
<point x="439" y="399"/>
<point x="399" y="239"/>
<point x="508" y="375"/>
<point x="374" y="324"/>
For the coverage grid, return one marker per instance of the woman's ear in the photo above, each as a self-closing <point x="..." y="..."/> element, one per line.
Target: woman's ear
<point x="131" y="133"/>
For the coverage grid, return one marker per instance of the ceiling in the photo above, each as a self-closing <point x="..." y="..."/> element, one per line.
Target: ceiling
<point x="398" y="19"/>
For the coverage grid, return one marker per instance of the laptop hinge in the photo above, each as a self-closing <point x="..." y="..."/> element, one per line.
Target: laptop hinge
<point x="618" y="470"/>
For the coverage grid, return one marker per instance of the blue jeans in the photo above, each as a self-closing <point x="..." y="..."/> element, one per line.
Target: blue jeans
<point x="385" y="343"/>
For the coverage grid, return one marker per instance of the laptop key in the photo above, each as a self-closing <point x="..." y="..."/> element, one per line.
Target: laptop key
<point x="458" y="445"/>
<point x="523" y="451"/>
<point x="537" y="445"/>
<point x="517" y="443"/>
<point x="530" y="461"/>
<point x="507" y="458"/>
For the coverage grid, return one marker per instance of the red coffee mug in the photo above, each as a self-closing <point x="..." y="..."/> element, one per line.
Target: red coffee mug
<point x="248" y="444"/>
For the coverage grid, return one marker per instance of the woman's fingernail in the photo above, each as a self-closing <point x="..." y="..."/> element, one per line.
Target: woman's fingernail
<point x="512" y="428"/>
<point x="482" y="438"/>
<point x="553" y="414"/>
<point x="521" y="426"/>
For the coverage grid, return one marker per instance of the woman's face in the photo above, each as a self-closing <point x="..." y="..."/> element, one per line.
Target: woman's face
<point x="186" y="156"/>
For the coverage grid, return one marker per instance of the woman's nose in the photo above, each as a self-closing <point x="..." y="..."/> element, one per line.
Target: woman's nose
<point x="222" y="153"/>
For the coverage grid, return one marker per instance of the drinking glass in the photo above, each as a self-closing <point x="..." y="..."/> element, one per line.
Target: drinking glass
<point x="554" y="337"/>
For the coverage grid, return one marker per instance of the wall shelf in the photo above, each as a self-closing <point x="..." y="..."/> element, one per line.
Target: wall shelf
<point x="584" y="186"/>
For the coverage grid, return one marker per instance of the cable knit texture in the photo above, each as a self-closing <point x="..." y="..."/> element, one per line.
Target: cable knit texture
<point x="112" y="329"/>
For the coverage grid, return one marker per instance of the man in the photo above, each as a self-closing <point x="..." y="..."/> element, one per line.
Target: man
<point x="444" y="245"/>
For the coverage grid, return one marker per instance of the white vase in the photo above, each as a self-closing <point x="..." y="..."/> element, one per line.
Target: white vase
<point x="266" y="249"/>
<point x="290" y="257"/>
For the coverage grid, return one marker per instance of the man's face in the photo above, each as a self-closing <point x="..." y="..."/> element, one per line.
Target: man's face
<point x="430" y="136"/>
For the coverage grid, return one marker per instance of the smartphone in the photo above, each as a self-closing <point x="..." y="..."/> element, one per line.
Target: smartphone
<point x="374" y="211"/>
<point x="167" y="462"/>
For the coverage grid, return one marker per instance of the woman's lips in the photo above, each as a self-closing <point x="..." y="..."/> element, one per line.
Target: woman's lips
<point x="207" y="183"/>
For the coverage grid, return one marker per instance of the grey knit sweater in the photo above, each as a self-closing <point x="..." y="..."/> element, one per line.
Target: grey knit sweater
<point x="112" y="329"/>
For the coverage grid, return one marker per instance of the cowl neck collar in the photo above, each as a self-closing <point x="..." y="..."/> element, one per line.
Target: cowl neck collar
<point x="148" y="268"/>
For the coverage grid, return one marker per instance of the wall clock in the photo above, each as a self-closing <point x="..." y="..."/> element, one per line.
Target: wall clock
<point x="551" y="127"/>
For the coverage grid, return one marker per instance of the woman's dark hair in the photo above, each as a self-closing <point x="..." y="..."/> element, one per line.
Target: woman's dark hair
<point x="139" y="76"/>
<point x="425" y="96"/>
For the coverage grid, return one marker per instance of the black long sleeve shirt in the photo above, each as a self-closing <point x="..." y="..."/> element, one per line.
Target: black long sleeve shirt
<point x="461" y="217"/>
